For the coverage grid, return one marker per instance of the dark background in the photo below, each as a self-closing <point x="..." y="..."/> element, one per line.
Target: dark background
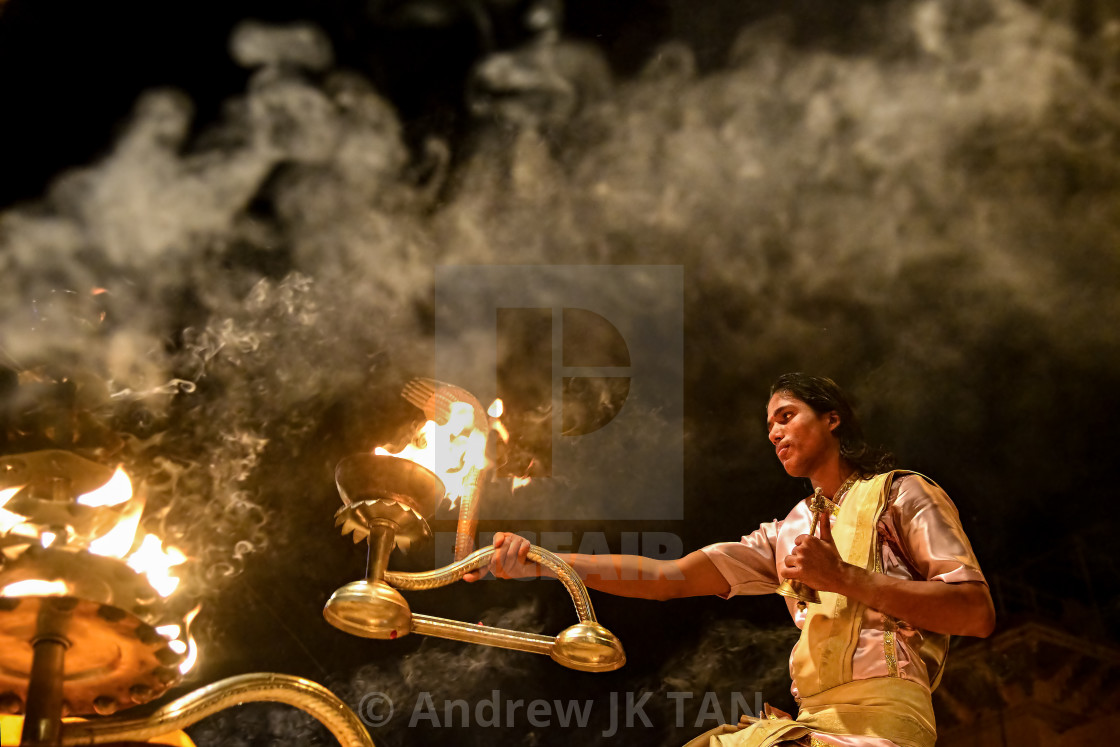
<point x="924" y="212"/>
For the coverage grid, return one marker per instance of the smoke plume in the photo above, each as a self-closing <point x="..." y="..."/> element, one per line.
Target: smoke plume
<point x="928" y="216"/>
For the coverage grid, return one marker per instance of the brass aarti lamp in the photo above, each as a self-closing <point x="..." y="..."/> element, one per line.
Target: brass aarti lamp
<point x="388" y="500"/>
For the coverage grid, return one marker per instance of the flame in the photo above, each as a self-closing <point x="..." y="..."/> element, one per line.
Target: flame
<point x="170" y="632"/>
<point x="7" y="493"/>
<point x="36" y="588"/>
<point x="116" y="491"/>
<point x="455" y="451"/>
<point x="9" y="519"/>
<point x="192" y="646"/>
<point x="154" y="562"/>
<point x="118" y="541"/>
<point x="174" y="635"/>
<point x="497" y="407"/>
<point x="22" y="529"/>
<point x="149" y="558"/>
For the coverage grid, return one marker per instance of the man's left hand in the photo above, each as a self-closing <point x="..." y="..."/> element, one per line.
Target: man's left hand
<point x="815" y="560"/>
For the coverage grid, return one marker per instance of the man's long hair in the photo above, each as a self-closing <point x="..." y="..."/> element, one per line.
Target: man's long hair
<point x="824" y="396"/>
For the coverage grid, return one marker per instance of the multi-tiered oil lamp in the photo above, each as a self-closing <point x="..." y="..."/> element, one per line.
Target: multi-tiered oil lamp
<point x="388" y="500"/>
<point x="85" y="628"/>
<point x="89" y="623"/>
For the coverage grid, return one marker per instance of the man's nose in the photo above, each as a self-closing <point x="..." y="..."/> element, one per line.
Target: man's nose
<point x="775" y="436"/>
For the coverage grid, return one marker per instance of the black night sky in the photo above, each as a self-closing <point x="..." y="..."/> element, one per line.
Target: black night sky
<point x="918" y="199"/>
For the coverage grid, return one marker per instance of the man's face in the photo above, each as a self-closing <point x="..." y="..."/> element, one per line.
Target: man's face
<point x="802" y="439"/>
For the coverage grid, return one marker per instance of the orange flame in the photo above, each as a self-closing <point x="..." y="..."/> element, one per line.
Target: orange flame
<point x="192" y="645"/>
<point x="8" y="519"/>
<point x="116" y="491"/>
<point x="171" y="632"/>
<point x="180" y="645"/>
<point x="455" y="451"/>
<point x="36" y="588"/>
<point x="497" y="407"/>
<point x="156" y="563"/>
<point x="118" y="541"/>
<point x="149" y="558"/>
<point x="7" y="493"/>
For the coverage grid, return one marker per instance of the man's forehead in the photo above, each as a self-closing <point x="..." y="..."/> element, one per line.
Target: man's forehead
<point x="781" y="401"/>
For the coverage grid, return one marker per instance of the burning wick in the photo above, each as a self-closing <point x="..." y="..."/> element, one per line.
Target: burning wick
<point x="36" y="588"/>
<point x="174" y="635"/>
<point x="7" y="493"/>
<point x="116" y="491"/>
<point x="151" y="560"/>
<point x="496" y="409"/>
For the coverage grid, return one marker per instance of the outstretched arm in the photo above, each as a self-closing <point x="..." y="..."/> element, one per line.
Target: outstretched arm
<point x="957" y="609"/>
<point x="622" y="575"/>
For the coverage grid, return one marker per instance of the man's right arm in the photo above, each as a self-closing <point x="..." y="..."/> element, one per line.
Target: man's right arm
<point x="622" y="575"/>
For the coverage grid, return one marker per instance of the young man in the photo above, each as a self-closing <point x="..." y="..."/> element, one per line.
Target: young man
<point x="894" y="569"/>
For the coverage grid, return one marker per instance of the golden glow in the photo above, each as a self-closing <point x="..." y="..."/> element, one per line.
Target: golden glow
<point x="7" y="493"/>
<point x="118" y="541"/>
<point x="496" y="409"/>
<point x="156" y="563"/>
<point x="9" y="521"/>
<point x="175" y="641"/>
<point x="116" y="502"/>
<point x="116" y="491"/>
<point x="169" y="631"/>
<point x="192" y="646"/>
<point x="455" y="451"/>
<point x="36" y="588"/>
<point x="149" y="558"/>
<point x="192" y="657"/>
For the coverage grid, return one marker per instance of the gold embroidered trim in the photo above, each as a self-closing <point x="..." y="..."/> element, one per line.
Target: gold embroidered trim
<point x="890" y="653"/>
<point x="829" y="507"/>
<point x="890" y="650"/>
<point x="814" y="742"/>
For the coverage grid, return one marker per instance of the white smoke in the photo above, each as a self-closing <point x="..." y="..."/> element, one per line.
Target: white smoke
<point x="930" y="220"/>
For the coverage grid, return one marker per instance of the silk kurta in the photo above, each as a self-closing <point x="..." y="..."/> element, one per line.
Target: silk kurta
<point x="919" y="537"/>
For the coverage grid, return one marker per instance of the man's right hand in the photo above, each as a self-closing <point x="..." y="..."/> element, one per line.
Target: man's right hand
<point x="509" y="559"/>
<point x="624" y="575"/>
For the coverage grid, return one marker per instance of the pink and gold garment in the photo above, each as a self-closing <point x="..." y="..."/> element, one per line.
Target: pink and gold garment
<point x="918" y="536"/>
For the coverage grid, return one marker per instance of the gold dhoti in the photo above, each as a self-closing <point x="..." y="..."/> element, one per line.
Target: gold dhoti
<point x="884" y="707"/>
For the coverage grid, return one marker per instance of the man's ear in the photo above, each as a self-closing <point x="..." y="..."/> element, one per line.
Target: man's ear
<point x="833" y="420"/>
